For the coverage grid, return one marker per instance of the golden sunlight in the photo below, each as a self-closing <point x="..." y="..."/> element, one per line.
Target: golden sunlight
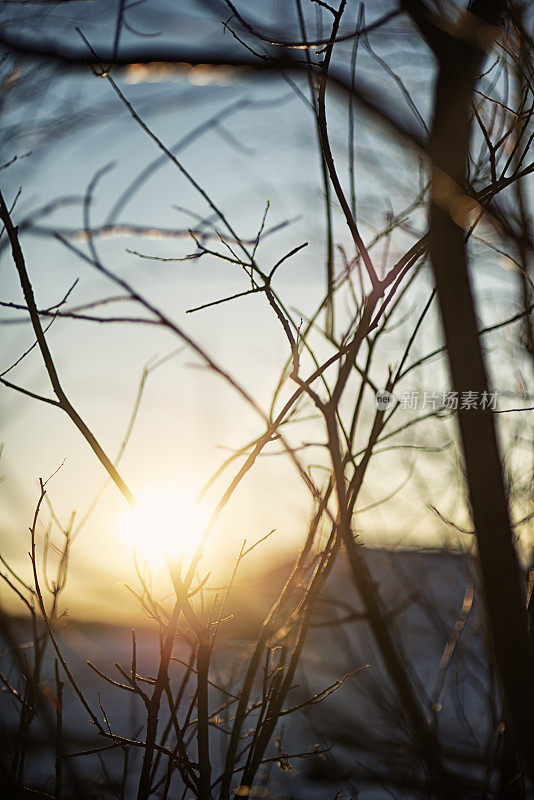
<point x="167" y="522"/>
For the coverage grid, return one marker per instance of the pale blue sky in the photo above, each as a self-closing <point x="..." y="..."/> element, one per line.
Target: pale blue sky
<point x="265" y="153"/>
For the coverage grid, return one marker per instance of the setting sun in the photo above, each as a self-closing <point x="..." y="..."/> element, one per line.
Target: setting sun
<point x="165" y="523"/>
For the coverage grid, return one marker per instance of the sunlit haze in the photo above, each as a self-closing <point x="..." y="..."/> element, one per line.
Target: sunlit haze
<point x="165" y="523"/>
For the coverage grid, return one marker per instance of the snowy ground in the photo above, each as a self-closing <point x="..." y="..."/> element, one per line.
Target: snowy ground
<point x="428" y="596"/>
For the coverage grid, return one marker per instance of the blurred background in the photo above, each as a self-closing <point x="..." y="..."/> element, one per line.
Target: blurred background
<point x="194" y="147"/>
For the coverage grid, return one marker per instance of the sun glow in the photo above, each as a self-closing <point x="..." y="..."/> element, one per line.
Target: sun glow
<point x="165" y="523"/>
